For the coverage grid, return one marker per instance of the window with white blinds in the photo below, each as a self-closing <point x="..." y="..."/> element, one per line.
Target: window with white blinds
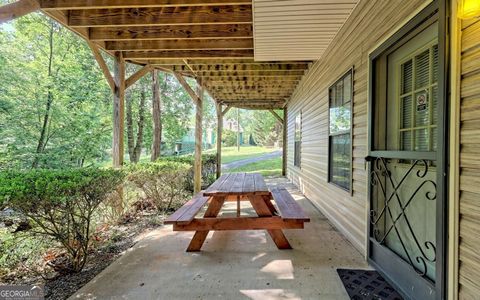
<point x="418" y="101"/>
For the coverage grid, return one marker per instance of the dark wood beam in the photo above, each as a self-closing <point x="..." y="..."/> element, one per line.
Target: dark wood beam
<point x="188" y="54"/>
<point x="251" y="67"/>
<point x="210" y="44"/>
<point x="161" y="16"/>
<point x="274" y="73"/>
<point x="220" y="62"/>
<point x="102" y="4"/>
<point x="17" y="9"/>
<point x="253" y="78"/>
<point x="226" y="31"/>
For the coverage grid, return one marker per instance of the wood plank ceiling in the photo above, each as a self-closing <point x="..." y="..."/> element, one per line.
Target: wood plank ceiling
<point x="211" y="40"/>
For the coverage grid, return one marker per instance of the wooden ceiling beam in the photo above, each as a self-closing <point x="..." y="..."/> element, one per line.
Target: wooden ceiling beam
<point x="242" y="67"/>
<point x="237" y="14"/>
<point x="247" y="80"/>
<point x="213" y="44"/>
<point x="17" y="9"/>
<point x="246" y="97"/>
<point x="226" y="31"/>
<point x="253" y="78"/>
<point x="189" y="54"/>
<point x="294" y="73"/>
<point x="220" y="61"/>
<point x="104" y="4"/>
<point x="240" y="87"/>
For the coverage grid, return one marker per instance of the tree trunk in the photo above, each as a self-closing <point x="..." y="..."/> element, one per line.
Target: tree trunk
<point x="130" y="138"/>
<point x="157" y="117"/>
<point x="135" y="146"/>
<point x="42" y="141"/>
<point x="140" y="125"/>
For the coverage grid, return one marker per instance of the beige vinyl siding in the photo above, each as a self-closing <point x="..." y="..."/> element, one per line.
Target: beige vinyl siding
<point x="297" y="29"/>
<point x="469" y="243"/>
<point x="369" y="24"/>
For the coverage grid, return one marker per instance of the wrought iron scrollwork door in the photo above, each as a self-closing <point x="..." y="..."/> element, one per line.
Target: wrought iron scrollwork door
<point x="396" y="195"/>
<point x="407" y="157"/>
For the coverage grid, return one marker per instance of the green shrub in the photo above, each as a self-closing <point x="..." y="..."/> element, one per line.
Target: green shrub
<point x="229" y="138"/>
<point x="209" y="168"/>
<point x="162" y="182"/>
<point x="60" y="204"/>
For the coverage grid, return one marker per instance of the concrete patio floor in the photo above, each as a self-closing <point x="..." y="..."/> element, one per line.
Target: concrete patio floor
<point x="232" y="264"/>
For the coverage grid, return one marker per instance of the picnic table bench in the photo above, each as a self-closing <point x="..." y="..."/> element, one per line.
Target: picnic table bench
<point x="240" y="187"/>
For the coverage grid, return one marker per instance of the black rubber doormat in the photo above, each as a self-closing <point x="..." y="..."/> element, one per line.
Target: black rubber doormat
<point x="366" y="285"/>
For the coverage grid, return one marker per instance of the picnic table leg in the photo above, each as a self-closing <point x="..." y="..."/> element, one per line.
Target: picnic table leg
<point x="263" y="210"/>
<point x="271" y="207"/>
<point x="238" y="206"/>
<point x="212" y="211"/>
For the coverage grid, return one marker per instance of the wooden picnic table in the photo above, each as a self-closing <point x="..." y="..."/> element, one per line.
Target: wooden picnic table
<point x="240" y="187"/>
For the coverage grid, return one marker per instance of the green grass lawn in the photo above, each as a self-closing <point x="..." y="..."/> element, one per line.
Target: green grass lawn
<point x="230" y="154"/>
<point x="269" y="167"/>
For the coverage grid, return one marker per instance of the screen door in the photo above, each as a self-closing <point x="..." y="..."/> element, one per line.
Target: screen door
<point x="404" y="159"/>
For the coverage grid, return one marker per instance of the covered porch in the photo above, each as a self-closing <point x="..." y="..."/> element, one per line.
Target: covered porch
<point x="233" y="264"/>
<point x="379" y="101"/>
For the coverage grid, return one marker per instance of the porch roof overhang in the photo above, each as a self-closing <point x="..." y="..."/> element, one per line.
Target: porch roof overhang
<point x="210" y="40"/>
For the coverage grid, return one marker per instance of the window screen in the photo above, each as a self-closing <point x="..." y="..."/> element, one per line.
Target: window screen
<point x="340" y="124"/>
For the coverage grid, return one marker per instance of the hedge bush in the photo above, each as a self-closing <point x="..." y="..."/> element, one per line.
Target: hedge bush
<point x="60" y="204"/>
<point x="209" y="168"/>
<point x="162" y="182"/>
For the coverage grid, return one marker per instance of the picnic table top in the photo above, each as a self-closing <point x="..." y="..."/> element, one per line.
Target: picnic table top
<point x="238" y="184"/>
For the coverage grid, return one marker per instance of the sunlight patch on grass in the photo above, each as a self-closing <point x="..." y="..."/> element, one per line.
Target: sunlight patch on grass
<point x="230" y="154"/>
<point x="269" y="167"/>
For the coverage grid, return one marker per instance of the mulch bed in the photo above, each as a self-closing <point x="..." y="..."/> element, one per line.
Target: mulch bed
<point x="127" y="235"/>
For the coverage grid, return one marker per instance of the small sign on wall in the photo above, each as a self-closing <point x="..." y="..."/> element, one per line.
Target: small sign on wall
<point x="422" y="101"/>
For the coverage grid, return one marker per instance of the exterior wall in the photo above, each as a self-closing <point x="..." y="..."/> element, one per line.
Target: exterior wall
<point x="370" y="24"/>
<point x="469" y="196"/>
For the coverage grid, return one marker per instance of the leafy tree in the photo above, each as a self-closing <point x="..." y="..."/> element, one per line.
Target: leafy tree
<point x="55" y="106"/>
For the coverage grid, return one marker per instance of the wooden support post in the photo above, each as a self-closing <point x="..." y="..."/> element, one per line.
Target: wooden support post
<point x="285" y="142"/>
<point x="198" y="100"/>
<point x="118" y="110"/>
<point x="156" y="116"/>
<point x="238" y="129"/>
<point x="17" y="9"/>
<point x="219" y="139"/>
<point x="197" y="174"/>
